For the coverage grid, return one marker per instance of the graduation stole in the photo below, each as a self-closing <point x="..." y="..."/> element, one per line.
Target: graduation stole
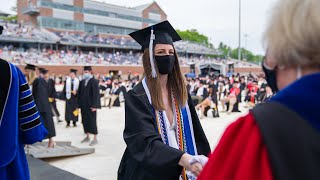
<point x="68" y="86"/>
<point x="184" y="127"/>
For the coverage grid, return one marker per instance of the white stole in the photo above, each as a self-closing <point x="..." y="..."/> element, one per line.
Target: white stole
<point x="68" y="86"/>
<point x="173" y="143"/>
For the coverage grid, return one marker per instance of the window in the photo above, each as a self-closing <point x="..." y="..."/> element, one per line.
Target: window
<point x="49" y="22"/>
<point x="96" y="28"/>
<point x="47" y="3"/>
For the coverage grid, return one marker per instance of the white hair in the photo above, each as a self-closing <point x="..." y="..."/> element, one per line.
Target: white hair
<point x="292" y="37"/>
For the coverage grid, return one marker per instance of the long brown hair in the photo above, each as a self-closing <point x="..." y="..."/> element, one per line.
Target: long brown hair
<point x="175" y="82"/>
<point x="31" y="77"/>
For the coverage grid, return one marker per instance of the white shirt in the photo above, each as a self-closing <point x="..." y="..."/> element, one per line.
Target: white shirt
<point x="172" y="132"/>
<point x="200" y="91"/>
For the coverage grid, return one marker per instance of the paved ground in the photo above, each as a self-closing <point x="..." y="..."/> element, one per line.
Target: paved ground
<point x="103" y="164"/>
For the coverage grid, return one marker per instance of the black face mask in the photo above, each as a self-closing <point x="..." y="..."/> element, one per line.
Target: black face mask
<point x="165" y="63"/>
<point x="271" y="78"/>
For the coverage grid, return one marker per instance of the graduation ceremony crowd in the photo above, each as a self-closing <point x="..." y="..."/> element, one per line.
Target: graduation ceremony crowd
<point x="278" y="138"/>
<point x="210" y="92"/>
<point x="81" y="91"/>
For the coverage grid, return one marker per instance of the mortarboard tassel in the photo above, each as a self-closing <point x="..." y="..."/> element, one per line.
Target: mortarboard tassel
<point x="153" y="69"/>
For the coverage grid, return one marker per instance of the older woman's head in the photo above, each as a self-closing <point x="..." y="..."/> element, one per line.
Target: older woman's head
<point x="292" y="40"/>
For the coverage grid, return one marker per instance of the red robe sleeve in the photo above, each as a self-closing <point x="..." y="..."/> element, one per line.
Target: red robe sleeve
<point x="240" y="154"/>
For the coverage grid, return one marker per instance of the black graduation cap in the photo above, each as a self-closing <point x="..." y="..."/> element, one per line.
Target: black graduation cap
<point x="161" y="33"/>
<point x="164" y="34"/>
<point x="30" y="67"/>
<point x="1" y="29"/>
<point x="43" y="70"/>
<point x="73" y="71"/>
<point x="87" y="68"/>
<point x="203" y="82"/>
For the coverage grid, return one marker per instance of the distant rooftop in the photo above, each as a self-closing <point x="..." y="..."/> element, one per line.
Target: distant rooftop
<point x="3" y="13"/>
<point x="139" y="8"/>
<point x="142" y="7"/>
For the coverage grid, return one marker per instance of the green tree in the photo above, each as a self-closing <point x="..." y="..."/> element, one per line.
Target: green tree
<point x="194" y="36"/>
<point x="246" y="54"/>
<point x="225" y="51"/>
<point x="11" y="18"/>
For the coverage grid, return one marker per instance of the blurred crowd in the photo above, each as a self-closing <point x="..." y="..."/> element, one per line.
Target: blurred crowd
<point x="26" y="32"/>
<point x="96" y="38"/>
<point x="209" y="92"/>
<point x="113" y="87"/>
<point x="53" y="57"/>
<point x="35" y="55"/>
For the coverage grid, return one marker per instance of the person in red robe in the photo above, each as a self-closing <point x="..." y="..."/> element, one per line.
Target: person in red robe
<point x="279" y="139"/>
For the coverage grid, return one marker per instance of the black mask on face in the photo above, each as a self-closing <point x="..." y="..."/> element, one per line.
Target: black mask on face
<point x="165" y="63"/>
<point x="271" y="78"/>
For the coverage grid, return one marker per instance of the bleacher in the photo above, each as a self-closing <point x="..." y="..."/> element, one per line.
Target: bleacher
<point x="125" y="49"/>
<point x="24" y="33"/>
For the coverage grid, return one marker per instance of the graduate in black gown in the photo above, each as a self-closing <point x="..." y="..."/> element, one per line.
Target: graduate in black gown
<point x="70" y="91"/>
<point x="41" y="96"/>
<point x="52" y="97"/>
<point x="89" y="102"/>
<point x="162" y="132"/>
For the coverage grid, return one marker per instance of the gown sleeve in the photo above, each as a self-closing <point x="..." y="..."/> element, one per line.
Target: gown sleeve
<point x="63" y="92"/>
<point x="96" y="94"/>
<point x="31" y="128"/>
<point x="143" y="141"/>
<point x="53" y="93"/>
<point x="240" y="154"/>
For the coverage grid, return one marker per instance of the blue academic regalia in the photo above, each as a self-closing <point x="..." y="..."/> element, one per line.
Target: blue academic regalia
<point x="20" y="124"/>
<point x="303" y="98"/>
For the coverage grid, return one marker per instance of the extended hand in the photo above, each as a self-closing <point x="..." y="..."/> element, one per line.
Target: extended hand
<point x="93" y="109"/>
<point x="194" y="168"/>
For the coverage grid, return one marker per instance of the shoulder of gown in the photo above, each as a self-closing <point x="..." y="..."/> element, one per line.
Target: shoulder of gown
<point x="143" y="141"/>
<point x="240" y="154"/>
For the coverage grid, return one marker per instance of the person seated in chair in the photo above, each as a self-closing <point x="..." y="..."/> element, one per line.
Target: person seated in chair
<point x="252" y="95"/>
<point x="211" y="101"/>
<point x="232" y="97"/>
<point x="114" y="93"/>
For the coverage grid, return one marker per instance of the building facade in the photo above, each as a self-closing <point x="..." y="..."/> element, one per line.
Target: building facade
<point x="88" y="16"/>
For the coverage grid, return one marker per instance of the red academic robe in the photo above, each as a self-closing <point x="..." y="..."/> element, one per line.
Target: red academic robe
<point x="240" y="154"/>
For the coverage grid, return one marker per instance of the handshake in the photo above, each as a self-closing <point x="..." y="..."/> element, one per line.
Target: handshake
<point x="193" y="164"/>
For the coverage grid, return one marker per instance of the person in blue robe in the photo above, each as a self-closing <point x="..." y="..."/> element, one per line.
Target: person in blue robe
<point x="20" y="123"/>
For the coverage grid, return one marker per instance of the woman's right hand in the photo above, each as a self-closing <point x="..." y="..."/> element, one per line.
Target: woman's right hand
<point x="195" y="168"/>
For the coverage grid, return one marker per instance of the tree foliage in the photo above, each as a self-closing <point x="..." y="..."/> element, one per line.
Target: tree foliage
<point x="194" y="36"/>
<point x="11" y="18"/>
<point x="227" y="51"/>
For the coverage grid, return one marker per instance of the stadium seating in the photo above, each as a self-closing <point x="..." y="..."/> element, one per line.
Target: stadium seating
<point x="188" y="51"/>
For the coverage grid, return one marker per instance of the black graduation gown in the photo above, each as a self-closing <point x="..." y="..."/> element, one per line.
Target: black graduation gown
<point x="119" y="90"/>
<point x="291" y="141"/>
<point x="5" y="83"/>
<point x="146" y="156"/>
<point x="53" y="94"/>
<point x="89" y="97"/>
<point x="71" y="104"/>
<point x="40" y="92"/>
